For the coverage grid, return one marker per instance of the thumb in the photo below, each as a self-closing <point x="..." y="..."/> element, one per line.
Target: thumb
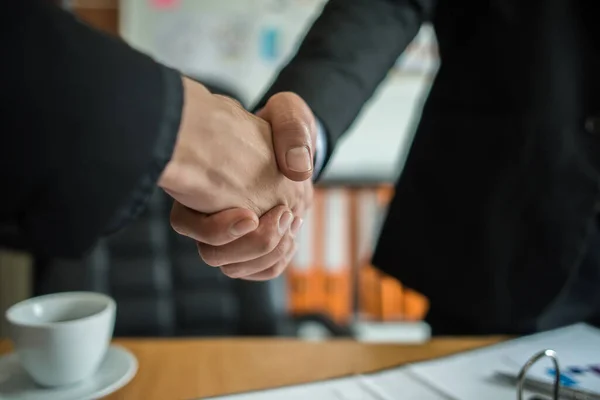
<point x="216" y="229"/>
<point x="294" y="134"/>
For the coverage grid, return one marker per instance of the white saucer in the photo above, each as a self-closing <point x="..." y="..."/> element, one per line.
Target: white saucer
<point x="117" y="369"/>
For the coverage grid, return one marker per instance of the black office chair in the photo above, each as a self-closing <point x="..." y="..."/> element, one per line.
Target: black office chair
<point x="161" y="285"/>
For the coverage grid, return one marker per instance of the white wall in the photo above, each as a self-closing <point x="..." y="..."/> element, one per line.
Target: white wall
<point x="225" y="40"/>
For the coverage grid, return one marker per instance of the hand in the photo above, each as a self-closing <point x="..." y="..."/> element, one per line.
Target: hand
<point x="294" y="134"/>
<point x="294" y="140"/>
<point x="224" y="158"/>
<point x="263" y="253"/>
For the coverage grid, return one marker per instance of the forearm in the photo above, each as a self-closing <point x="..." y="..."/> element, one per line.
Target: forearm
<point x="136" y="203"/>
<point x="89" y="120"/>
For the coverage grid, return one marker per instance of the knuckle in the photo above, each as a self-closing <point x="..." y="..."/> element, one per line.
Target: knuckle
<point x="294" y="125"/>
<point x="279" y="251"/>
<point x="292" y="252"/>
<point x="284" y="265"/>
<point x="284" y="246"/>
<point x="210" y="237"/>
<point x="275" y="271"/>
<point x="308" y="203"/>
<point x="299" y="197"/>
<point x="176" y="225"/>
<point x="230" y="100"/>
<point x="232" y="272"/>
<point x="184" y="180"/>
<point x="210" y="255"/>
<point x="176" y="220"/>
<point x="268" y="242"/>
<point x="210" y="240"/>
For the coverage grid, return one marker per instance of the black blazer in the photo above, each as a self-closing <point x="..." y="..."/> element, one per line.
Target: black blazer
<point x="497" y="197"/>
<point x="87" y="126"/>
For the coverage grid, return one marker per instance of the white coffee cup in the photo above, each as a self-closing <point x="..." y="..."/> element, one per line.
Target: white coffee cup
<point x="62" y="338"/>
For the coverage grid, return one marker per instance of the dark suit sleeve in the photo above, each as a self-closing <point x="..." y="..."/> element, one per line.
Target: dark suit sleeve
<point x="88" y="125"/>
<point x="346" y="54"/>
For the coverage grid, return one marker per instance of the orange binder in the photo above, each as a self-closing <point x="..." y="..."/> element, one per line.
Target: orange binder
<point x="332" y="268"/>
<point x="415" y="305"/>
<point x="317" y="290"/>
<point x="368" y="213"/>
<point x="303" y="288"/>
<point x="392" y="299"/>
<point x="335" y="208"/>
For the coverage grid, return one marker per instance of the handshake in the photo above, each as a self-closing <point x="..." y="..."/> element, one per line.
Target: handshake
<point x="241" y="183"/>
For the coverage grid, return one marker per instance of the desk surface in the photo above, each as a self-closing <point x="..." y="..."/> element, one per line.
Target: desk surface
<point x="195" y="368"/>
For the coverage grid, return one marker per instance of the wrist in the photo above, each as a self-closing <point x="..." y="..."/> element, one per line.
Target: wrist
<point x="206" y="171"/>
<point x="184" y="161"/>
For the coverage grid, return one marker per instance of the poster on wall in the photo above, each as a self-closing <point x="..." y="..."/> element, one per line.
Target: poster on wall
<point x="221" y="41"/>
<point x="214" y="46"/>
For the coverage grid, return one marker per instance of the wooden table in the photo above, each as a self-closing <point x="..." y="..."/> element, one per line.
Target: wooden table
<point x="197" y="368"/>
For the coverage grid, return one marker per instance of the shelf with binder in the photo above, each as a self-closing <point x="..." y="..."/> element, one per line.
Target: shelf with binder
<point x="304" y="277"/>
<point x="332" y="274"/>
<point x="337" y="260"/>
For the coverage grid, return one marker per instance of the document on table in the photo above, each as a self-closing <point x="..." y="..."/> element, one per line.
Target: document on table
<point x="391" y="384"/>
<point x="578" y="352"/>
<point x="466" y="376"/>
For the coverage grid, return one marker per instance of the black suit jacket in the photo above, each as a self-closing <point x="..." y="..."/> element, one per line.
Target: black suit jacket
<point x="88" y="124"/>
<point x="501" y="186"/>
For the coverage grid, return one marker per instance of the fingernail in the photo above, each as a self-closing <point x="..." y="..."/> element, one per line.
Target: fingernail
<point x="243" y="227"/>
<point x="298" y="159"/>
<point x="284" y="222"/>
<point x="296" y="225"/>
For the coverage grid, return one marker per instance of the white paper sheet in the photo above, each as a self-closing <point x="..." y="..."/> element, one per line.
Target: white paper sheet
<point x="578" y="352"/>
<point x="465" y="376"/>
<point x="395" y="384"/>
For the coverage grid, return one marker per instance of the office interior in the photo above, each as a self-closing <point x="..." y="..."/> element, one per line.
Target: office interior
<point x="330" y="289"/>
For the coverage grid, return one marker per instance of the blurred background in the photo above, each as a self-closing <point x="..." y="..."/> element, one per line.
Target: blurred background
<point x="162" y="287"/>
